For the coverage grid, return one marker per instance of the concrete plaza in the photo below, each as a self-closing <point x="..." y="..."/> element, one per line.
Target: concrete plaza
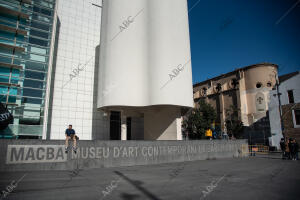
<point x="240" y="178"/>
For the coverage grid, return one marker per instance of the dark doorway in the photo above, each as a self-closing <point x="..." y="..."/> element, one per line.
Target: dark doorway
<point x="128" y="123"/>
<point x="115" y="125"/>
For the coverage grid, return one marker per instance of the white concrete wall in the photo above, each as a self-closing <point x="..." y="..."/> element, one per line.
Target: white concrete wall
<point x="290" y="84"/>
<point x="49" y="75"/>
<point x="138" y="63"/>
<point x="161" y="123"/>
<point x="274" y="115"/>
<point x="73" y="98"/>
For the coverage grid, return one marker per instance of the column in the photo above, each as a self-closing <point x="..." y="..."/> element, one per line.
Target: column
<point x="123" y="126"/>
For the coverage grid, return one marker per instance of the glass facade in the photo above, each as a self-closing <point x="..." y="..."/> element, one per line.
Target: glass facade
<point x="25" y="38"/>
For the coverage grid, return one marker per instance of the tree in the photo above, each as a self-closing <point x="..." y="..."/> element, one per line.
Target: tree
<point x="199" y="120"/>
<point x="234" y="125"/>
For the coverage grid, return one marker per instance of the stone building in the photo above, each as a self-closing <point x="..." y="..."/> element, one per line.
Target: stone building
<point x="247" y="90"/>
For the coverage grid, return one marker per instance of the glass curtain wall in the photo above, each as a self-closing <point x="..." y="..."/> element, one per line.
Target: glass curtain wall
<point x="25" y="36"/>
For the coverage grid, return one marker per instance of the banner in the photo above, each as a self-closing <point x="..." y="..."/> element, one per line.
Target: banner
<point x="5" y="117"/>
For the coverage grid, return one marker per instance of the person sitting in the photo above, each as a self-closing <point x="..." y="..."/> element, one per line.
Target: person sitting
<point x="70" y="134"/>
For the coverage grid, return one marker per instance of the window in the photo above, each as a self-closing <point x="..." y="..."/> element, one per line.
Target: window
<point x="291" y="96"/>
<point x="39" y="34"/>
<point x="296" y="118"/>
<point x="41" y="10"/>
<point x="38" y="42"/>
<point x="218" y="87"/>
<point x="258" y="85"/>
<point x="33" y="84"/>
<point x="209" y="84"/>
<point x="34" y="75"/>
<point x="40" y="26"/>
<point x="203" y="91"/>
<point x="234" y="82"/>
<point x="32" y="93"/>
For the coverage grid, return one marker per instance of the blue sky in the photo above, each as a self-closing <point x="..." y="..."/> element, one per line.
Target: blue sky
<point x="229" y="34"/>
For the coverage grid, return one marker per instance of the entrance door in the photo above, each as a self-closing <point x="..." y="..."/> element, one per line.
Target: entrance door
<point x="115" y="125"/>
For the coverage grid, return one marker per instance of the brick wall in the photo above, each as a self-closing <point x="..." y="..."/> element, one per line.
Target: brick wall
<point x="289" y="130"/>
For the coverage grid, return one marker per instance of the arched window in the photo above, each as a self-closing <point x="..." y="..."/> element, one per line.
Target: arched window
<point x="218" y="87"/>
<point x="204" y="91"/>
<point x="234" y="82"/>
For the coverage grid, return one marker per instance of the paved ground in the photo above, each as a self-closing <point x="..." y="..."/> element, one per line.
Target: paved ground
<point x="248" y="178"/>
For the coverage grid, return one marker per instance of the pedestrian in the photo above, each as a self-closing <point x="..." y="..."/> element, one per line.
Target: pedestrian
<point x="282" y="146"/>
<point x="297" y="149"/>
<point x="208" y="134"/>
<point x="225" y="136"/>
<point x="70" y="134"/>
<point x="215" y="134"/>
<point x="287" y="149"/>
<point x="294" y="149"/>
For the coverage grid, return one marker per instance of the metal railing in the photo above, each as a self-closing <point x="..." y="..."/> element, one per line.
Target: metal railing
<point x="258" y="149"/>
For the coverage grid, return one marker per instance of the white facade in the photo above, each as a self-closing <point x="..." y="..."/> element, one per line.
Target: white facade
<point x="73" y="99"/>
<point x="292" y="83"/>
<point x="143" y="70"/>
<point x="145" y="63"/>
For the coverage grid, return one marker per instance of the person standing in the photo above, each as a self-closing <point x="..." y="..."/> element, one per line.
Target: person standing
<point x="282" y="146"/>
<point x="215" y="134"/>
<point x="70" y="134"/>
<point x="294" y="149"/>
<point x="208" y="134"/>
<point x="225" y="136"/>
<point x="297" y="149"/>
<point x="287" y="148"/>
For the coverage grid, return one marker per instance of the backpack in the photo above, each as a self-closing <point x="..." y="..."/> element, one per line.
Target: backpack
<point x="5" y="117"/>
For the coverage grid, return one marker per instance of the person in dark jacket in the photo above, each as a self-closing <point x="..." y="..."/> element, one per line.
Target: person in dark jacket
<point x="70" y="134"/>
<point x="297" y="149"/>
<point x="294" y="149"/>
<point x="287" y="148"/>
<point x="282" y="146"/>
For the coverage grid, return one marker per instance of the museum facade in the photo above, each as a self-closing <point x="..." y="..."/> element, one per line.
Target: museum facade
<point x="54" y="71"/>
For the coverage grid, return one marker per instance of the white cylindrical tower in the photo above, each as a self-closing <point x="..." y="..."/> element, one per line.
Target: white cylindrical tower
<point x="145" y="58"/>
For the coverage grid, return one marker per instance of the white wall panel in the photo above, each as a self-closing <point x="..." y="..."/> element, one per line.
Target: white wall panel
<point x="79" y="35"/>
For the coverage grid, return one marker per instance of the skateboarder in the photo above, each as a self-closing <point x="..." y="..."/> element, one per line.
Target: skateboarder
<point x="70" y="134"/>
